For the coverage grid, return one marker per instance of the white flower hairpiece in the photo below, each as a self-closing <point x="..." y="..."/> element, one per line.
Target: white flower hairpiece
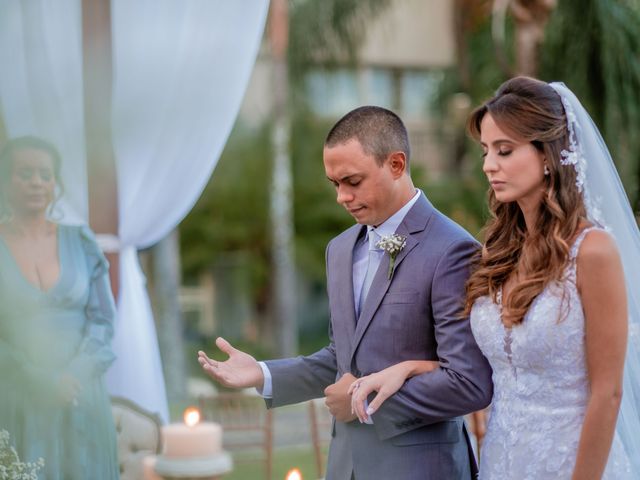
<point x="575" y="157"/>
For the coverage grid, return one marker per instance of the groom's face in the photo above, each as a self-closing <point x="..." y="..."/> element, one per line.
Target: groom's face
<point x="363" y="187"/>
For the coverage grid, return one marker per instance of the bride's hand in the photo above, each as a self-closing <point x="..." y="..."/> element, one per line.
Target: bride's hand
<point x="386" y="382"/>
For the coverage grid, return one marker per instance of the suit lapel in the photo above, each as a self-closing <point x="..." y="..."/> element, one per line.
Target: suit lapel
<point x="414" y="222"/>
<point x="342" y="269"/>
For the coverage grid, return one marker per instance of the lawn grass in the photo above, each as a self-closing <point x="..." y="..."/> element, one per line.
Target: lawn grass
<point x="284" y="459"/>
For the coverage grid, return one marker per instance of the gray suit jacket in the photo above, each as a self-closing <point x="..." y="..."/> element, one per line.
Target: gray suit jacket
<point x="418" y="433"/>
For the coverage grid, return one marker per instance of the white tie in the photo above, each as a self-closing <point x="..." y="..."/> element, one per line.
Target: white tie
<point x="371" y="268"/>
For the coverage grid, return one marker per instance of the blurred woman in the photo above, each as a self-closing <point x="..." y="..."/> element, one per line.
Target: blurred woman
<point x="56" y="323"/>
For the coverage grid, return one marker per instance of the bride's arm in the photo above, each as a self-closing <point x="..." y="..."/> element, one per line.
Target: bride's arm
<point x="602" y="290"/>
<point x="386" y="382"/>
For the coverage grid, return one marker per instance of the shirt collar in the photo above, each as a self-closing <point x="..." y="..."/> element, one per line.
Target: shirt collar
<point x="391" y="224"/>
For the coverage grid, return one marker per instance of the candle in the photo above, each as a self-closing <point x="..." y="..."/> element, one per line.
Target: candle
<point x="294" y="474"/>
<point x="191" y="438"/>
<point x="192" y="449"/>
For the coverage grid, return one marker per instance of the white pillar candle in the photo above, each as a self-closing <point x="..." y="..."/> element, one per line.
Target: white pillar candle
<point x="183" y="441"/>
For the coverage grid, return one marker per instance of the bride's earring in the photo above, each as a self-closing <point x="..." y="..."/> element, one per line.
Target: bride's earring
<point x="546" y="170"/>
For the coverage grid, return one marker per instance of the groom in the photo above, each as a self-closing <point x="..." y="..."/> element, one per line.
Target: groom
<point x="384" y="312"/>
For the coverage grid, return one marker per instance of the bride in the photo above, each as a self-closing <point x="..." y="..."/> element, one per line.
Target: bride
<point x="547" y="298"/>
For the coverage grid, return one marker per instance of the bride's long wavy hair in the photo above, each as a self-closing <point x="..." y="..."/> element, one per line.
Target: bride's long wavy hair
<point x="532" y="111"/>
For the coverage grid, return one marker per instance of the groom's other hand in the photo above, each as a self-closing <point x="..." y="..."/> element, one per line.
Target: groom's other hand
<point x="338" y="400"/>
<point x="240" y="370"/>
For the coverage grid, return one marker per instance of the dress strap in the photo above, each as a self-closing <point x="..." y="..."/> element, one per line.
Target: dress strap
<point x="573" y="253"/>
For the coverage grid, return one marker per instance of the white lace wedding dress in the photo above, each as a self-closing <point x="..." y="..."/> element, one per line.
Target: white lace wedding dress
<point x="541" y="386"/>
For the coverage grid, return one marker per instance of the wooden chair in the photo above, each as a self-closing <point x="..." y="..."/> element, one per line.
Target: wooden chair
<point x="246" y="423"/>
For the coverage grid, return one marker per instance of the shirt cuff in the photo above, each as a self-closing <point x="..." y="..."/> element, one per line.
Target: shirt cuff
<point x="267" y="385"/>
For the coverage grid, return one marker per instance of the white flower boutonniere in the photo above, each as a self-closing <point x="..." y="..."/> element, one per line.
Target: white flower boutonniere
<point x="393" y="245"/>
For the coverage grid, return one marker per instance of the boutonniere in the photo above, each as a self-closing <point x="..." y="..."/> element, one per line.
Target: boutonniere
<point x="393" y="245"/>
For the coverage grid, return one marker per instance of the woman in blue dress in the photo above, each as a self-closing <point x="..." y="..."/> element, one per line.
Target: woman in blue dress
<point x="56" y="324"/>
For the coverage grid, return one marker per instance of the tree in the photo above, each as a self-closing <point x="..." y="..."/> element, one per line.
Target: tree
<point x="530" y="18"/>
<point x="591" y="45"/>
<point x="594" y="47"/>
<point x="233" y="213"/>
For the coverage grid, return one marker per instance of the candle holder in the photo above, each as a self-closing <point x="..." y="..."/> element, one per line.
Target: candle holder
<point x="194" y="468"/>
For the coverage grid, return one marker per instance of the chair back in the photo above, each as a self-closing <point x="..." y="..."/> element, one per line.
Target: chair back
<point x="247" y="425"/>
<point x="138" y="435"/>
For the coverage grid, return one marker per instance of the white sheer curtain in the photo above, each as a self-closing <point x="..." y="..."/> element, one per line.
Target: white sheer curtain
<point x="180" y="71"/>
<point x="41" y="86"/>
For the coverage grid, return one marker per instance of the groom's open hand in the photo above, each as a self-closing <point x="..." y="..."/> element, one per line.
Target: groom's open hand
<point x="240" y="370"/>
<point x="338" y="400"/>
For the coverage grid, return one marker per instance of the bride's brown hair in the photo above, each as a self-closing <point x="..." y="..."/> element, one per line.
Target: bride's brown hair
<point x="532" y="111"/>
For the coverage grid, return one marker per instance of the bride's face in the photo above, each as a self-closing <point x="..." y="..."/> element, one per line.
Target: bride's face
<point x="514" y="167"/>
<point x="32" y="184"/>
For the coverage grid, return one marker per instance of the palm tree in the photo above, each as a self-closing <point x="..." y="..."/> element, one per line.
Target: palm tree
<point x="318" y="30"/>
<point x="591" y="45"/>
<point x="530" y="18"/>
<point x="594" y="47"/>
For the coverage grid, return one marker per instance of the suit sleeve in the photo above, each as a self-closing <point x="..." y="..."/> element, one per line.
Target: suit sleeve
<point x="302" y="378"/>
<point x="463" y="383"/>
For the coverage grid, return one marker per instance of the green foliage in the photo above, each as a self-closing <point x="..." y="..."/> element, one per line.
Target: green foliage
<point x="591" y="45"/>
<point x="322" y="34"/>
<point x="461" y="198"/>
<point x="327" y="32"/>
<point x="317" y="216"/>
<point x="594" y="47"/>
<point x="461" y="194"/>
<point x="233" y="212"/>
<point x="247" y="466"/>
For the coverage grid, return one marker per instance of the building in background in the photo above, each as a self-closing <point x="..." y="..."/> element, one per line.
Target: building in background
<point x="406" y="49"/>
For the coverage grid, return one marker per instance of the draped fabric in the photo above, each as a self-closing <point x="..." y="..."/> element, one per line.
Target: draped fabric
<point x="180" y="71"/>
<point x="41" y="86"/>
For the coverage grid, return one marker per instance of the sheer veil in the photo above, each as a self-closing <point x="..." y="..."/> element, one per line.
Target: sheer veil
<point x="608" y="206"/>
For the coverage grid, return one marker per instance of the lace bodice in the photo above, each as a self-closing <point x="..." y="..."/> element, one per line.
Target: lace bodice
<point x="541" y="386"/>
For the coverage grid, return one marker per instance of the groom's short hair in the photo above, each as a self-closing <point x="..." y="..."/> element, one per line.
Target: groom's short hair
<point x="379" y="131"/>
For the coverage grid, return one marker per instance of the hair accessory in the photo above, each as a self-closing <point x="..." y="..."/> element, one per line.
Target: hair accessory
<point x="575" y="156"/>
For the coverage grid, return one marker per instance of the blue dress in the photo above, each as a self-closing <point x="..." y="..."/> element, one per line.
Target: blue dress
<point x="44" y="334"/>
